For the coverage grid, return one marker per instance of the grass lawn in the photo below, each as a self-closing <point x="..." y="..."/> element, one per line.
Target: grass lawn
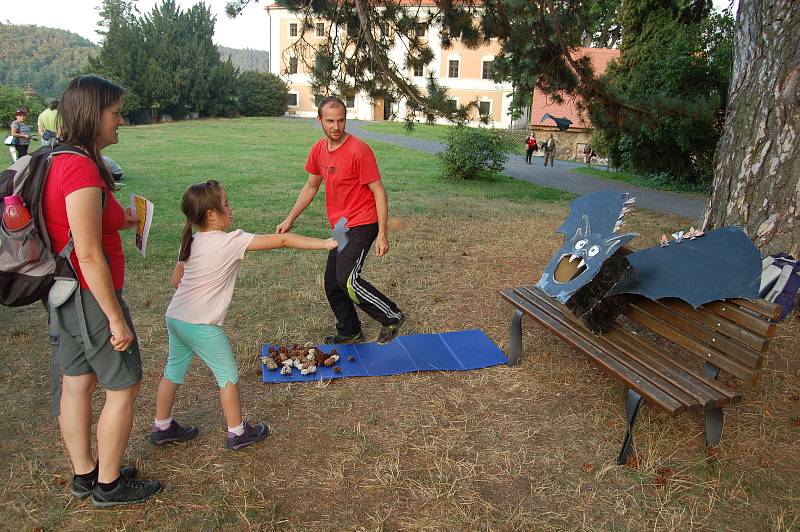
<point x="643" y="181"/>
<point x="525" y="448"/>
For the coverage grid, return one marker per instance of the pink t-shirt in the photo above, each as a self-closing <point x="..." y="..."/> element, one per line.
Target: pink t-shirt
<point x="209" y="276"/>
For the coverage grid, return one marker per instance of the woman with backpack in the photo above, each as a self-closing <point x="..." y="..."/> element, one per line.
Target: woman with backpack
<point x="21" y="133"/>
<point x="96" y="339"/>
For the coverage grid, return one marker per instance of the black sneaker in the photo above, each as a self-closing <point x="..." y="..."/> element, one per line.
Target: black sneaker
<point x="390" y="332"/>
<point x="174" y="434"/>
<point x="82" y="488"/>
<point x="128" y="491"/>
<point x="339" y="339"/>
<point x="252" y="434"/>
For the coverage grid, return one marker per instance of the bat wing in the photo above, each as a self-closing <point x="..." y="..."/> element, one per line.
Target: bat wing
<point x="723" y="264"/>
<point x="563" y="123"/>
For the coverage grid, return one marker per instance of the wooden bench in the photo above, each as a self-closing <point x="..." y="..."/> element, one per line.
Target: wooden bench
<point x="729" y="336"/>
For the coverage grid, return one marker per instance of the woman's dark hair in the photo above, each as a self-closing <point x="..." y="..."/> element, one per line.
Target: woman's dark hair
<point x="197" y="201"/>
<point x="80" y="111"/>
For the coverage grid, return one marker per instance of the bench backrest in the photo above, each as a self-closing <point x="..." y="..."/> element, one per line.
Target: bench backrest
<point x="733" y="335"/>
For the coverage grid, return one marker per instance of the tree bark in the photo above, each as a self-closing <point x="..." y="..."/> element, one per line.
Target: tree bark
<point x="757" y="162"/>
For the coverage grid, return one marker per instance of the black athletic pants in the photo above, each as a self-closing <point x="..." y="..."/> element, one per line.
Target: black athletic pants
<point x="345" y="287"/>
<point x="528" y="155"/>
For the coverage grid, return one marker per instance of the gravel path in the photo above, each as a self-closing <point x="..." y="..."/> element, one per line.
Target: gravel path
<point x="560" y="176"/>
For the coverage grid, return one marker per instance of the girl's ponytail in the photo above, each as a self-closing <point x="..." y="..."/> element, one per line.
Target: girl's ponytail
<point x="186" y="242"/>
<point x="197" y="201"/>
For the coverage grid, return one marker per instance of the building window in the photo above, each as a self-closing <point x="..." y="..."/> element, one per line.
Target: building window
<point x="452" y="105"/>
<point x="293" y="29"/>
<point x="418" y="71"/>
<point x="292" y="100"/>
<point x="292" y="66"/>
<point x="419" y="29"/>
<point x="320" y="29"/>
<point x="486" y="72"/>
<point x="350" y="102"/>
<point x="485" y="108"/>
<point x="452" y="68"/>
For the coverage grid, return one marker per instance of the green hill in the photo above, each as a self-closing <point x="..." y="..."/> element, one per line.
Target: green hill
<point x="48" y="58"/>
<point x="246" y="59"/>
<point x="44" y="57"/>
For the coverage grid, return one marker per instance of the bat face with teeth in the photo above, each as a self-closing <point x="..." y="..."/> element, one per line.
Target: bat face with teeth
<point x="578" y="261"/>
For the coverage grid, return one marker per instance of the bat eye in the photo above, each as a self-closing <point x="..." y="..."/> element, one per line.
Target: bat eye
<point x="580" y="244"/>
<point x="594" y="250"/>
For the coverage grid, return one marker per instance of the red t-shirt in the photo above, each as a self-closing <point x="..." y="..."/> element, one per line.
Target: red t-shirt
<point x="347" y="171"/>
<point x="69" y="173"/>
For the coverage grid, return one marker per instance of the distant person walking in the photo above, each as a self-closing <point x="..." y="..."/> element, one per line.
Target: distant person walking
<point x="550" y="150"/>
<point x="530" y="147"/>
<point x="21" y="133"/>
<point x="588" y="153"/>
<point x="48" y="125"/>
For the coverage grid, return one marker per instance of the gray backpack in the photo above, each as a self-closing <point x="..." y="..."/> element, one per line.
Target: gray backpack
<point x="29" y="270"/>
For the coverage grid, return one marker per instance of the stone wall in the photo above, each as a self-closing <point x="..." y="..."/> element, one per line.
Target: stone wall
<point x="569" y="144"/>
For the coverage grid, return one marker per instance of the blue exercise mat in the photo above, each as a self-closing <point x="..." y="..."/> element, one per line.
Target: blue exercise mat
<point x="453" y="351"/>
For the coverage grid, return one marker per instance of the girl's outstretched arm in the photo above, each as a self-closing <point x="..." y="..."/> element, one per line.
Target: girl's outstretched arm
<point x="289" y="240"/>
<point x="177" y="274"/>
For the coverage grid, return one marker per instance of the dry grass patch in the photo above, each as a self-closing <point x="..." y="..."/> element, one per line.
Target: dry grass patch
<point x="523" y="448"/>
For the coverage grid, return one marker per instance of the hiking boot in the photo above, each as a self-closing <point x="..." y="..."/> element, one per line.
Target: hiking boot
<point x="339" y="339"/>
<point x="252" y="434"/>
<point x="128" y="491"/>
<point x="82" y="488"/>
<point x="174" y="434"/>
<point x="390" y="332"/>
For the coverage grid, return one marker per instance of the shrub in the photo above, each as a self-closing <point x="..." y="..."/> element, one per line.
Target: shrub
<point x="471" y="153"/>
<point x="262" y="94"/>
<point x="11" y="99"/>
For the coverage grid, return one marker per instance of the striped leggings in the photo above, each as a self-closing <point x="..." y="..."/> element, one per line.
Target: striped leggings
<point x="345" y="287"/>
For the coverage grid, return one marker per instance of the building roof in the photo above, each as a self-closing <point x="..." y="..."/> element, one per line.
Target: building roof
<point x="543" y="104"/>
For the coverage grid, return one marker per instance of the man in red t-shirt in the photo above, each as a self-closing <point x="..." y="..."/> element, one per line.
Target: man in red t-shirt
<point x="353" y="190"/>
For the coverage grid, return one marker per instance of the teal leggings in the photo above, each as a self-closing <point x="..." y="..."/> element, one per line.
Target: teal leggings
<point x="210" y="344"/>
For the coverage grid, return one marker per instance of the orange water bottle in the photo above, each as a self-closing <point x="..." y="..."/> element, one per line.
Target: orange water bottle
<point x="15" y="214"/>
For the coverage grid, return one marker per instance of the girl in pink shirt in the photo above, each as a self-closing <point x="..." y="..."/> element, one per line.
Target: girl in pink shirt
<point x="204" y="279"/>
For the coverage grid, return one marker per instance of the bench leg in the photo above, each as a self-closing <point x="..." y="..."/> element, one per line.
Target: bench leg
<point x="714" y="417"/>
<point x="515" y="339"/>
<point x="632" y="403"/>
<point x="714" y="421"/>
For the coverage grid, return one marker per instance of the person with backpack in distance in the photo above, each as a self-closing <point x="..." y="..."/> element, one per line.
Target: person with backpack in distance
<point x="21" y="133"/>
<point x="204" y="279"/>
<point x="94" y="338"/>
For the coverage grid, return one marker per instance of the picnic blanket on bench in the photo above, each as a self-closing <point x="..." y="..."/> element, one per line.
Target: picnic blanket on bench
<point x="453" y="351"/>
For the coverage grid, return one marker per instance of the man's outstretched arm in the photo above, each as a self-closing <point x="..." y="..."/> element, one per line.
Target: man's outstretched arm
<point x="304" y="199"/>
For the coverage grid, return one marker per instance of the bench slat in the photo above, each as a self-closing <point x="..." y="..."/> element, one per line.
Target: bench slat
<point x="706" y="353"/>
<point x="744" y="318"/>
<point x="699" y="332"/>
<point x="553" y="308"/>
<point x="768" y="310"/>
<point x="704" y="395"/>
<point x="732" y="395"/>
<point x="718" y="323"/>
<point x="650" y="392"/>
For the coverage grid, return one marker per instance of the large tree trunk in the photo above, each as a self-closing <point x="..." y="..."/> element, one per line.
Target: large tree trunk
<point x="757" y="162"/>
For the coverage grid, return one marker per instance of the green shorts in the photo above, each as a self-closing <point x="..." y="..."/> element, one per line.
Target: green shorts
<point x="210" y="344"/>
<point x="115" y="370"/>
